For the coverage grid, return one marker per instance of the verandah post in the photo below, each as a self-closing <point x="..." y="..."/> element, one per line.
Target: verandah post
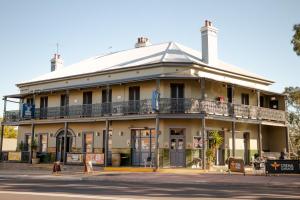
<point x="2" y="128"/>
<point x="203" y="132"/>
<point x="157" y="127"/>
<point x="32" y="141"/>
<point x="106" y="136"/>
<point x="65" y="142"/>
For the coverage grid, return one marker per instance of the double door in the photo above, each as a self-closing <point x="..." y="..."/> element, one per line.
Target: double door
<point x="143" y="145"/>
<point x="177" y="148"/>
<point x="60" y="147"/>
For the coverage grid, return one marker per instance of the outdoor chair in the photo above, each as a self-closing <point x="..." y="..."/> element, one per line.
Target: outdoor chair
<point x="148" y="161"/>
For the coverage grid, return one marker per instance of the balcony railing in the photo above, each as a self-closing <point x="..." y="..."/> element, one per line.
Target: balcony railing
<point x="143" y="107"/>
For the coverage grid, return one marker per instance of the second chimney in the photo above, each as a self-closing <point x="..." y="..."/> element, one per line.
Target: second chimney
<point x="209" y="36"/>
<point x="56" y="62"/>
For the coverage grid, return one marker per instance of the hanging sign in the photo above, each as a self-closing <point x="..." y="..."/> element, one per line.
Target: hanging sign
<point x="197" y="142"/>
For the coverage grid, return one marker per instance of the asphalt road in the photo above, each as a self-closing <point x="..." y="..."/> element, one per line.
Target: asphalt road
<point x="144" y="186"/>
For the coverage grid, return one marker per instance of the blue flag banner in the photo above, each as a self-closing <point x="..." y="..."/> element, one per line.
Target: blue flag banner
<point x="155" y="101"/>
<point x="28" y="111"/>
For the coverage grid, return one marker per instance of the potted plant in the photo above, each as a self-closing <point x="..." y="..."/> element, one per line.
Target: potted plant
<point x="20" y="146"/>
<point x="215" y="140"/>
<point x="34" y="147"/>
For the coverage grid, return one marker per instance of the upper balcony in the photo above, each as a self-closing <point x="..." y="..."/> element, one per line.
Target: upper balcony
<point x="145" y="107"/>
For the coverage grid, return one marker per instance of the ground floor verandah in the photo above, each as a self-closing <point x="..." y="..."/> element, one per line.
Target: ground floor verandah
<point x="133" y="142"/>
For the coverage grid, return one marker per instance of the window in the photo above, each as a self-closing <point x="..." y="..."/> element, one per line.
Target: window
<point x="134" y="93"/>
<point x="134" y="99"/>
<point x="43" y="142"/>
<point x="64" y="103"/>
<point x="88" y="142"/>
<point x="64" y="100"/>
<point x="177" y="98"/>
<point x="87" y="104"/>
<point x="43" y="107"/>
<point x="87" y="98"/>
<point x="104" y="95"/>
<point x="177" y="91"/>
<point x="245" y="99"/>
<point x="229" y="94"/>
<point x="29" y="101"/>
<point x="262" y="101"/>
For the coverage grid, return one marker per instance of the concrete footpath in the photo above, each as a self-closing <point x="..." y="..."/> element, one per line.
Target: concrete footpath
<point x="77" y="172"/>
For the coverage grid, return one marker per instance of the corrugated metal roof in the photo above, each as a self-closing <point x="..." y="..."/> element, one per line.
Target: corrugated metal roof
<point x="159" y="53"/>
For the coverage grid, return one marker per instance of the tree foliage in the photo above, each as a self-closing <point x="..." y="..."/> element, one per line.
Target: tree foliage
<point x="215" y="141"/>
<point x="9" y="131"/>
<point x="293" y="94"/>
<point x="296" y="39"/>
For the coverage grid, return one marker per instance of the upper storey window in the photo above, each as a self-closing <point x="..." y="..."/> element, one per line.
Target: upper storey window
<point x="177" y="91"/>
<point x="134" y="99"/>
<point x="87" y="104"/>
<point x="245" y="99"/>
<point x="43" y="107"/>
<point x="177" y="98"/>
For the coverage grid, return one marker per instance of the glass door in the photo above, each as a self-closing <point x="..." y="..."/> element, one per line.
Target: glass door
<point x="177" y="147"/>
<point x="143" y="145"/>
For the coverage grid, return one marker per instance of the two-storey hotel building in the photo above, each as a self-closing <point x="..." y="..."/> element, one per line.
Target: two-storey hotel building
<point x="155" y="102"/>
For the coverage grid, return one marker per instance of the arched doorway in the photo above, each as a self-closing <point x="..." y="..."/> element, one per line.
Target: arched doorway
<point x="60" y="148"/>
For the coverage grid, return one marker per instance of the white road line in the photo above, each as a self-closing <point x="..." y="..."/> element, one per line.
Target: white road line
<point x="68" y="195"/>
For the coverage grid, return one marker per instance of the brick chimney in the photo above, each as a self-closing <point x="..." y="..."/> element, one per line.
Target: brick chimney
<point x="56" y="62"/>
<point x="142" y="42"/>
<point x="209" y="36"/>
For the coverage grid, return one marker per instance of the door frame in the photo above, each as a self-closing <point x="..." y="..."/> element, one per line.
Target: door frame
<point x="246" y="147"/>
<point x="70" y="134"/>
<point x="184" y="137"/>
<point x="132" y="142"/>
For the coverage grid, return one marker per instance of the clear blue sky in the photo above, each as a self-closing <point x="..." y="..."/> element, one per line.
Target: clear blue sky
<point x="254" y="35"/>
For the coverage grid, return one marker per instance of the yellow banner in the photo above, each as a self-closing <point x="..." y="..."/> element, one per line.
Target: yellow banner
<point x="14" y="156"/>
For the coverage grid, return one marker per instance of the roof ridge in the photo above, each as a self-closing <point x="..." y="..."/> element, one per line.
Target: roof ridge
<point x="165" y="53"/>
<point x="184" y="53"/>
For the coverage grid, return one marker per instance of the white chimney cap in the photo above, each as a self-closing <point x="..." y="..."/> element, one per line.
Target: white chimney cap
<point x="142" y="42"/>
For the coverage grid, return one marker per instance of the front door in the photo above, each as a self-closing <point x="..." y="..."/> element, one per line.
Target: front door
<point x="143" y="146"/>
<point x="60" y="147"/>
<point x="246" y="148"/>
<point x="177" y="147"/>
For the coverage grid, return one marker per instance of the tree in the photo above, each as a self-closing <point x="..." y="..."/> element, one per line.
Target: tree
<point x="293" y="95"/>
<point x="296" y="39"/>
<point x="9" y="131"/>
<point x="214" y="143"/>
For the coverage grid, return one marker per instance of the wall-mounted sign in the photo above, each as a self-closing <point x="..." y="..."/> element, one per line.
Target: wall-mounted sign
<point x="14" y="156"/>
<point x="74" y="158"/>
<point x="197" y="142"/>
<point x="283" y="166"/>
<point x="28" y="111"/>
<point x="236" y="165"/>
<point x="155" y="100"/>
<point x="95" y="158"/>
